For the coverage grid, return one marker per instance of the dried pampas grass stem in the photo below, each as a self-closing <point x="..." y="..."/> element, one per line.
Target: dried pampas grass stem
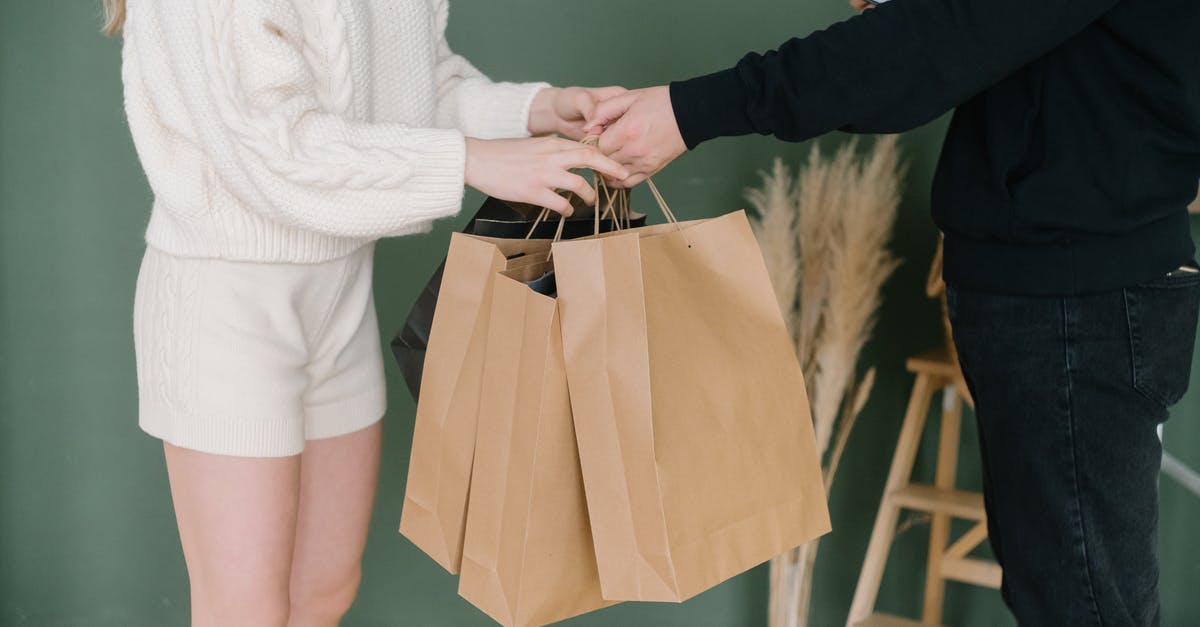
<point x="824" y="236"/>
<point x="774" y="229"/>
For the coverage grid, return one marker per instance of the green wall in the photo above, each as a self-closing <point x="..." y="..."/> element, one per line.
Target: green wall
<point x="87" y="535"/>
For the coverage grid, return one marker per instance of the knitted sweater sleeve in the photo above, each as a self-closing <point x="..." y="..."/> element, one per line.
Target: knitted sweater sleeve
<point x="282" y="141"/>
<point x="467" y="100"/>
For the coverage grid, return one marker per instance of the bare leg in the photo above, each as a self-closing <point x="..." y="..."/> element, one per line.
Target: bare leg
<point x="337" y="492"/>
<point x="237" y="523"/>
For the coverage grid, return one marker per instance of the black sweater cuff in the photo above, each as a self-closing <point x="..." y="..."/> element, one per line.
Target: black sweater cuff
<point x="710" y="106"/>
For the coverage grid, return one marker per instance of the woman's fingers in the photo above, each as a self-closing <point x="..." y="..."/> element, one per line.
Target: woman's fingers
<point x="594" y="97"/>
<point x="532" y="170"/>
<point x="585" y="105"/>
<point x="579" y="186"/>
<point x="592" y="159"/>
<point x="554" y="202"/>
<point x="573" y="130"/>
<point x="609" y="111"/>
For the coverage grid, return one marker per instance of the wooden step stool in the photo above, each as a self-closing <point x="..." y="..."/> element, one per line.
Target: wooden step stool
<point x="935" y="370"/>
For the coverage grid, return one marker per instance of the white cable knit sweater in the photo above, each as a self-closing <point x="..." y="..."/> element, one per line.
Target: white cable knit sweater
<point x="298" y="130"/>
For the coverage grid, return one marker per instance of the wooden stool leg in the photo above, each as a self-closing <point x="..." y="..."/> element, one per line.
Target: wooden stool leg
<point x="939" y="530"/>
<point x="869" y="580"/>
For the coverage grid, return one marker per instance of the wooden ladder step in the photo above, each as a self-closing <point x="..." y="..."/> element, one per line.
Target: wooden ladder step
<point x="887" y="620"/>
<point x="937" y="362"/>
<point x="927" y="498"/>
<point x="970" y="570"/>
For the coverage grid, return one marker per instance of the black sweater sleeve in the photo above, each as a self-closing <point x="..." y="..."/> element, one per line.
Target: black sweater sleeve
<point x="888" y="70"/>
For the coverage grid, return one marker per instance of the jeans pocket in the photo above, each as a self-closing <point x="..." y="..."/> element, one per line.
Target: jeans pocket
<point x="1162" y="317"/>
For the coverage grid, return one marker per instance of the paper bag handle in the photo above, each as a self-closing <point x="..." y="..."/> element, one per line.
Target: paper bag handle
<point x="592" y="140"/>
<point x="616" y="202"/>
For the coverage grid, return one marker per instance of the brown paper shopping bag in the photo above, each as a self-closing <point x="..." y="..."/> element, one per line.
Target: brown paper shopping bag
<point x="528" y="557"/>
<point x="439" y="473"/>
<point x="691" y="415"/>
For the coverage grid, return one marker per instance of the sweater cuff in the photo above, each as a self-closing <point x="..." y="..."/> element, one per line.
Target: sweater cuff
<point x="498" y="110"/>
<point x="438" y="179"/>
<point x="710" y="106"/>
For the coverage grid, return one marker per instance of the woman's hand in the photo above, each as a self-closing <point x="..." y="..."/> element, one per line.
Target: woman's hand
<point x="532" y="170"/>
<point x="565" y="110"/>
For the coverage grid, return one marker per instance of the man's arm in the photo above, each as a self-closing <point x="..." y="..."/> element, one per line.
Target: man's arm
<point x="889" y="69"/>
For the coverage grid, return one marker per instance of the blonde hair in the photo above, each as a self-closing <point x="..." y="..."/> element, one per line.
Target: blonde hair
<point x="114" y="17"/>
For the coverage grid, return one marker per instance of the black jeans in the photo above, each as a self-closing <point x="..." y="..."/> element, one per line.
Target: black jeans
<point x="1069" y="392"/>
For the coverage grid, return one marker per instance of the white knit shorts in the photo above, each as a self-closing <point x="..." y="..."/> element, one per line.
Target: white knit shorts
<point x="253" y="359"/>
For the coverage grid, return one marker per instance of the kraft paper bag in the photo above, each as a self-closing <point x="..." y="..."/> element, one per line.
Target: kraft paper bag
<point x="692" y="420"/>
<point x="443" y="448"/>
<point x="528" y="557"/>
<point x="499" y="219"/>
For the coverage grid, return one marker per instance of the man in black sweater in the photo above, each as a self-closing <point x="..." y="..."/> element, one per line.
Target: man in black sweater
<point x="1061" y="191"/>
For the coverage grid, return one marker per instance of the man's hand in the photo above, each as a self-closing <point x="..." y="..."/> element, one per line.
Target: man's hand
<point x="565" y="110"/>
<point x="861" y="5"/>
<point x="639" y="132"/>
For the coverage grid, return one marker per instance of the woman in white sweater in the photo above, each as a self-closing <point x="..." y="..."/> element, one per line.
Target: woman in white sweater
<point x="281" y="138"/>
